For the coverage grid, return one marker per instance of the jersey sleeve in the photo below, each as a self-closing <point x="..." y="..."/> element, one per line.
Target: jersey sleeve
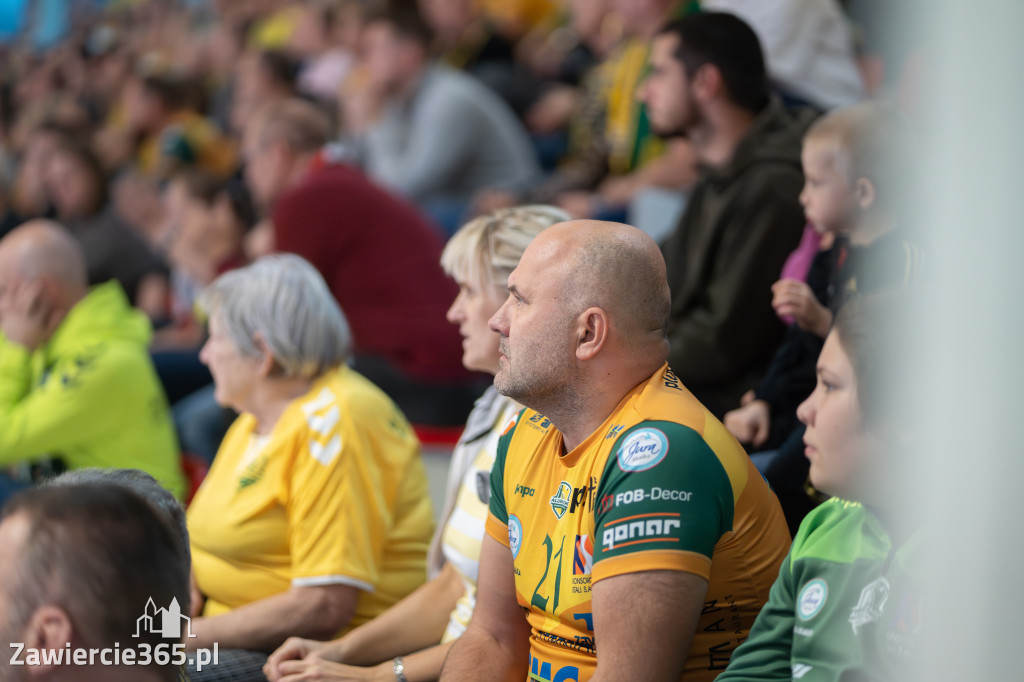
<point x="767" y="653"/>
<point x="497" y="512"/>
<point x="338" y="515"/>
<point x="664" y="500"/>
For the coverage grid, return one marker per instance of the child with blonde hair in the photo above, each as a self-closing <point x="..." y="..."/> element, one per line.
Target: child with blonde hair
<point x="856" y="163"/>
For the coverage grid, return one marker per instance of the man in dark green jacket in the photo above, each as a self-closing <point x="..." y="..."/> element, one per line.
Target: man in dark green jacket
<point x="708" y="83"/>
<point x="76" y="380"/>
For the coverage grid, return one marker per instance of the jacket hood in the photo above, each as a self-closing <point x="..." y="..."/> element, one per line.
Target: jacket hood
<point x="103" y="315"/>
<point x="776" y="136"/>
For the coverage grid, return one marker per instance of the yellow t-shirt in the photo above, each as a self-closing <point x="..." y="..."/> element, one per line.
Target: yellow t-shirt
<point x="335" y="494"/>
<point x="661" y="485"/>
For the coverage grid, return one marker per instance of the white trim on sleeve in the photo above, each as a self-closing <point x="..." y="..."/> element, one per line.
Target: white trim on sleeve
<point x="320" y="580"/>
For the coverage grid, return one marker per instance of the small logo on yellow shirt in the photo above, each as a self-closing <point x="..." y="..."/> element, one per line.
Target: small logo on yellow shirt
<point x="560" y="500"/>
<point x="253" y="473"/>
<point x="614" y="431"/>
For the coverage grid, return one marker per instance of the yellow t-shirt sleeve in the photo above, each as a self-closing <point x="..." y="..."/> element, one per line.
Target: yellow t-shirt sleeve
<point x="337" y="513"/>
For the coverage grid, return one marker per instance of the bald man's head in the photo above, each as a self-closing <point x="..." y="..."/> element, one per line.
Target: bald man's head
<point x="617" y="268"/>
<point x="587" y="312"/>
<point x="41" y="248"/>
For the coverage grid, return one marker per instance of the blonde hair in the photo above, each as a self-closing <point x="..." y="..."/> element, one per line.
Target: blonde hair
<point x="870" y="140"/>
<point x="487" y="249"/>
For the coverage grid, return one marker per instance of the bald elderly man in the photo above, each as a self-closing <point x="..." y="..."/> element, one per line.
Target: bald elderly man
<point x="625" y="522"/>
<point x="76" y="380"/>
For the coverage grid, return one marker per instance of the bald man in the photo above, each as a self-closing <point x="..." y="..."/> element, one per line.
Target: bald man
<point x="624" y="520"/>
<point x="76" y="381"/>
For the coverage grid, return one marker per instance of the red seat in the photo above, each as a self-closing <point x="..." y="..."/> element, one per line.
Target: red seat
<point x="195" y="469"/>
<point x="446" y="436"/>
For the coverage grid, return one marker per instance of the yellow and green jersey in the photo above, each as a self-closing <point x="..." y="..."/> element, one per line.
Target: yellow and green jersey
<point x="661" y="485"/>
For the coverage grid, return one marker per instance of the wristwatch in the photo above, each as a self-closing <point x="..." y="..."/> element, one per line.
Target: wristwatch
<point x="399" y="668"/>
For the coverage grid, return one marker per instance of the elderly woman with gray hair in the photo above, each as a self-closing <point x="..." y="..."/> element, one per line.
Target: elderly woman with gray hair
<point x="315" y="516"/>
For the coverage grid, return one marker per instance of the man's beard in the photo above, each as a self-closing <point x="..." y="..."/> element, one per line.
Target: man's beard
<point x="540" y="387"/>
<point x="683" y="128"/>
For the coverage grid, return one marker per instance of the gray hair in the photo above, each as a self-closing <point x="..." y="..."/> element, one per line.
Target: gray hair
<point x="285" y="300"/>
<point x="143" y="485"/>
<point x="487" y="249"/>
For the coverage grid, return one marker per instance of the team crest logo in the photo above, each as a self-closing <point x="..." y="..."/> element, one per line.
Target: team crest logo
<point x="560" y="500"/>
<point x="872" y="601"/>
<point x="515" y="535"/>
<point x="642" y="450"/>
<point x="812" y="598"/>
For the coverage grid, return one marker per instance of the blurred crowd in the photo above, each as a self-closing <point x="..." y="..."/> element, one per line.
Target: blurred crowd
<point x="270" y="239"/>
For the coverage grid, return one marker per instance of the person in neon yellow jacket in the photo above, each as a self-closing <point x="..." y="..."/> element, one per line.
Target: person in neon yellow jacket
<point x="76" y="381"/>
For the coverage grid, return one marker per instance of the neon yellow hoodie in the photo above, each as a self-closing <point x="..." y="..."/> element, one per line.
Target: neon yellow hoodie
<point x="90" y="395"/>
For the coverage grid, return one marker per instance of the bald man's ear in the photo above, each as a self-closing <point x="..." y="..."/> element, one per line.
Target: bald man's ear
<point x="591" y="333"/>
<point x="49" y="628"/>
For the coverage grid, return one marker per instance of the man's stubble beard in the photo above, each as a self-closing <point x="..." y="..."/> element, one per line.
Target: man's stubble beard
<point x="555" y="394"/>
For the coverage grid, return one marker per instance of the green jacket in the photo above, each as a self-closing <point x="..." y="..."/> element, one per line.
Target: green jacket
<point x="90" y="395"/>
<point x="846" y="605"/>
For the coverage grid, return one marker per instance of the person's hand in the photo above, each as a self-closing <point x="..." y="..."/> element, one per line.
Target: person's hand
<point x="315" y="668"/>
<point x="25" y="319"/>
<point x="299" y="656"/>
<point x="493" y="199"/>
<point x="793" y="298"/>
<point x="293" y="649"/>
<point x="747" y="398"/>
<point x="579" y="204"/>
<point x="749" y="424"/>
